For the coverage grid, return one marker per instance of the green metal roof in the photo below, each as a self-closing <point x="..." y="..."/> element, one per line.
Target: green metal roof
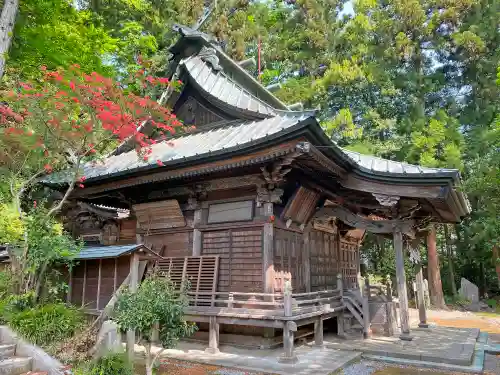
<point x="102" y="252"/>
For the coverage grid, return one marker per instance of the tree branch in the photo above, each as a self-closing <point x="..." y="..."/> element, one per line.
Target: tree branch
<point x="71" y="186"/>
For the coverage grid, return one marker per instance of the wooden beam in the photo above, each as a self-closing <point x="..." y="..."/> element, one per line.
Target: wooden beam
<point x="197" y="236"/>
<point x="70" y="285"/>
<point x="401" y="279"/>
<point x="99" y="284"/>
<point x="374" y="226"/>
<point x="133" y="284"/>
<point x="413" y="191"/>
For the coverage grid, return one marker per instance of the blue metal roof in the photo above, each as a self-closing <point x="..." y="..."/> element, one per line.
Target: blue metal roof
<point x="101" y="252"/>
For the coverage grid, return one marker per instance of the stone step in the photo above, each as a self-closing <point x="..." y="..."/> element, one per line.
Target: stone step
<point x="7" y="350"/>
<point x="15" y="366"/>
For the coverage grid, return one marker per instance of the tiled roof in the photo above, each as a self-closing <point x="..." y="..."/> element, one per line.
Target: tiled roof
<point x="221" y="88"/>
<point x="101" y="252"/>
<point x="373" y="164"/>
<point x="233" y="135"/>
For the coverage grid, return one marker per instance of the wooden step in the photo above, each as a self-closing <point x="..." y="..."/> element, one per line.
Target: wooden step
<point x="15" y="365"/>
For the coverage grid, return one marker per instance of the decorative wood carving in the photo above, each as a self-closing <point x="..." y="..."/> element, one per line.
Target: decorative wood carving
<point x="275" y="173"/>
<point x="192" y="112"/>
<point x="374" y="226"/>
<point x="386" y="200"/>
<point x="326" y="225"/>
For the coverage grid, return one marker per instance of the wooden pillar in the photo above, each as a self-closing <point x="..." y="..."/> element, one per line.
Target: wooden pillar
<point x="115" y="276"/>
<point x="213" y="336"/>
<point x="268" y="252"/>
<point x="99" y="284"/>
<point x="133" y="284"/>
<point x="318" y="332"/>
<point x="402" y="293"/>
<point x="197" y="236"/>
<point x="422" y="313"/>
<point x="307" y="262"/>
<point x="70" y="285"/>
<point x="340" y="317"/>
<point x="288" y="356"/>
<point x="84" y="281"/>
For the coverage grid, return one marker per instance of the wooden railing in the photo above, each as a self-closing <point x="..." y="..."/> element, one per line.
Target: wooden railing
<point x="258" y="304"/>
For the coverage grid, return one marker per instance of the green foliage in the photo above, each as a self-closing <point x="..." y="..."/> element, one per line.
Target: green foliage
<point x="156" y="301"/>
<point x="54" y="33"/>
<point x="110" y="364"/>
<point x="43" y="325"/>
<point x="6" y="283"/>
<point x="11" y="227"/>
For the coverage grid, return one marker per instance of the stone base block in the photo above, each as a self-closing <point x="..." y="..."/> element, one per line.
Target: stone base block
<point x="288" y="360"/>
<point x="212" y="351"/>
<point x="406" y="337"/>
<point x="423" y="325"/>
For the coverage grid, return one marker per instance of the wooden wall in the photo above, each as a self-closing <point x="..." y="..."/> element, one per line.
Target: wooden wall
<point x="324" y="260"/>
<point x="85" y="282"/>
<point x="349" y="261"/>
<point x="240" y="252"/>
<point x="288" y="260"/>
<point x="178" y="244"/>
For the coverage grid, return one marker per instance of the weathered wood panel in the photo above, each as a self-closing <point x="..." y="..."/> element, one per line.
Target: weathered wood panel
<point x="91" y="284"/>
<point x="230" y="212"/>
<point x="240" y="253"/>
<point x="288" y="260"/>
<point x="324" y="260"/>
<point x="301" y="205"/>
<point x="159" y="215"/>
<point x="127" y="231"/>
<point x="107" y="281"/>
<point x="178" y="244"/>
<point x="349" y="255"/>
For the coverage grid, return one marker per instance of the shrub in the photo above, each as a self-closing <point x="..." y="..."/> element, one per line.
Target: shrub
<point x="14" y="304"/>
<point x="6" y="283"/>
<point x="44" y="325"/>
<point x="110" y="364"/>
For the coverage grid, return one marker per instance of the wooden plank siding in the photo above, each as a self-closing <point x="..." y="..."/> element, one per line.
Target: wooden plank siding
<point x="179" y="244"/>
<point x="324" y="258"/>
<point x="288" y="260"/>
<point x="240" y="253"/>
<point x="349" y="256"/>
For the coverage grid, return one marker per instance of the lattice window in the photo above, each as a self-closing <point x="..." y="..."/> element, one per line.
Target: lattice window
<point x="288" y="264"/>
<point x="200" y="272"/>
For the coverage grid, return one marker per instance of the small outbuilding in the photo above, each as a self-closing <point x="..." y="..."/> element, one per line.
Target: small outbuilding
<point x="100" y="270"/>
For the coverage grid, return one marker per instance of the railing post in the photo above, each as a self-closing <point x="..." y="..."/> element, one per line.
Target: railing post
<point x="231" y="299"/>
<point x="366" y="317"/>
<point x="388" y="284"/>
<point x="318" y="332"/>
<point x="340" y="317"/>
<point x="287" y="299"/>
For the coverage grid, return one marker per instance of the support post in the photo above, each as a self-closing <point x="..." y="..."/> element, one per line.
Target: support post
<point x="307" y="262"/>
<point x="213" y="336"/>
<point x="84" y="282"/>
<point x="70" y="285"/>
<point x="99" y="285"/>
<point x="268" y="252"/>
<point x="340" y="318"/>
<point x="401" y="279"/>
<point x="134" y="282"/>
<point x="288" y="356"/>
<point x="318" y="332"/>
<point x="197" y="236"/>
<point x="422" y="312"/>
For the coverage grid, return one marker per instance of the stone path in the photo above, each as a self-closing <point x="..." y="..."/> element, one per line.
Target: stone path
<point x="312" y="360"/>
<point x="438" y="344"/>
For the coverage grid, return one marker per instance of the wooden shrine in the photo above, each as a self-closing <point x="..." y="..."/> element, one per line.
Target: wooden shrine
<point x="257" y="207"/>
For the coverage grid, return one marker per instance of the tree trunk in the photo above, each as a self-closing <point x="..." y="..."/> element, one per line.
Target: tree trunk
<point x="149" y="362"/>
<point x="7" y="21"/>
<point x="496" y="263"/>
<point x="449" y="253"/>
<point x="435" y="286"/>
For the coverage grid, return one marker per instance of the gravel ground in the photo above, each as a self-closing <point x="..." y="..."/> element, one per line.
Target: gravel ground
<point x="366" y="367"/>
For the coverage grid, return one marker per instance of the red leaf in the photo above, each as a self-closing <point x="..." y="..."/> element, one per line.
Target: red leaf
<point x="160" y="163"/>
<point x="72" y="85"/>
<point x="47" y="168"/>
